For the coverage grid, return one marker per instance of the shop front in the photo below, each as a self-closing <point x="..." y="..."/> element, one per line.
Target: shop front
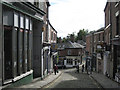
<point x="17" y="44"/>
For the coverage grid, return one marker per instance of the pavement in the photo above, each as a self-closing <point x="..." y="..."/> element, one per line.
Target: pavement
<point x="104" y="81"/>
<point x="37" y="83"/>
<point x="101" y="79"/>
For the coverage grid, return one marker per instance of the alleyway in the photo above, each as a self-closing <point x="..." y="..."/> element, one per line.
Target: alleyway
<point x="71" y="79"/>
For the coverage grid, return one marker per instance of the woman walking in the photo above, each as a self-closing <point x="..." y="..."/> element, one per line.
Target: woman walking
<point x="55" y="69"/>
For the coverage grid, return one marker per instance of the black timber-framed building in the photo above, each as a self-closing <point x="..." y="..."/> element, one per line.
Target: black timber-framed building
<point x="21" y="27"/>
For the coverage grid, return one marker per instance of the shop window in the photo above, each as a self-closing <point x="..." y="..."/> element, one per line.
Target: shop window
<point x="20" y="51"/>
<point x="30" y="46"/>
<point x="15" y="50"/>
<point x="7" y="53"/>
<point x="8" y="17"/>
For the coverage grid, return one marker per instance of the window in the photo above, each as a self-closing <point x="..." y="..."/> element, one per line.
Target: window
<point x="16" y="20"/>
<point x="109" y="38"/>
<point x="31" y="25"/>
<point x="7" y="53"/>
<point x="109" y="17"/>
<point x="117" y="25"/>
<point x="42" y="5"/>
<point x="69" y="52"/>
<point x="99" y="37"/>
<point x="21" y="21"/>
<point x="27" y="23"/>
<point x="95" y="38"/>
<point x="103" y="37"/>
<point x="51" y="35"/>
<point x="36" y="3"/>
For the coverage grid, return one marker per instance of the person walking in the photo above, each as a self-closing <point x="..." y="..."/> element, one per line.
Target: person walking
<point x="78" y="68"/>
<point x="83" y="68"/>
<point x="55" y="69"/>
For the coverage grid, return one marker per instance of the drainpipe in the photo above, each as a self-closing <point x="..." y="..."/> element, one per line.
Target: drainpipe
<point x="111" y="50"/>
<point x="92" y="61"/>
<point x="1" y="45"/>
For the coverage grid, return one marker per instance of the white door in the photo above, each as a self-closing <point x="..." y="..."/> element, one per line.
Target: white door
<point x="65" y="62"/>
<point x="105" y="63"/>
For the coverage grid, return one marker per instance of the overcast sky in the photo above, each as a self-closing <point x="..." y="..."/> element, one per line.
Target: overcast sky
<point x="68" y="16"/>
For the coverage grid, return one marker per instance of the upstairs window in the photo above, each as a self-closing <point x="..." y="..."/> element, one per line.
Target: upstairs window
<point x="16" y="19"/>
<point x="99" y="37"/>
<point x="69" y="52"/>
<point x="36" y="3"/>
<point x="51" y="35"/>
<point x="21" y="21"/>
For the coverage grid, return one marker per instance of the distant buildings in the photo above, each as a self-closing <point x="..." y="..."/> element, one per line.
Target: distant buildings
<point x="69" y="54"/>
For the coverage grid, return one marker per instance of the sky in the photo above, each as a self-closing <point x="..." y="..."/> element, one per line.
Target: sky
<point x="68" y="16"/>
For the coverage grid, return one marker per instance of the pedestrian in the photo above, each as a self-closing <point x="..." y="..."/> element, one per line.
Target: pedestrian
<point x="90" y="70"/>
<point x="55" y="69"/>
<point x="78" y="68"/>
<point x="83" y="68"/>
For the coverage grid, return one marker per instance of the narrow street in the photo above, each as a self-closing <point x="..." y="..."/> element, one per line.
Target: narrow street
<point x="39" y="38"/>
<point x="71" y="79"/>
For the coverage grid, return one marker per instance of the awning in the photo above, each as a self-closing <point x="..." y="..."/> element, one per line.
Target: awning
<point x="46" y="48"/>
<point x="55" y="54"/>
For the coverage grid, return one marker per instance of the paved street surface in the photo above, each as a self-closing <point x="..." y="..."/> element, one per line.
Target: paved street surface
<point x="71" y="79"/>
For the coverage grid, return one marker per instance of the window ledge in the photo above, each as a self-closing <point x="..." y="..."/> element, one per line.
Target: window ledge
<point x="116" y="4"/>
<point x="107" y="26"/>
<point x="23" y="75"/>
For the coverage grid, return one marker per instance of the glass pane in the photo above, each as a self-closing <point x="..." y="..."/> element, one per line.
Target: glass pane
<point x="27" y="23"/>
<point x="30" y="24"/>
<point x="16" y="19"/>
<point x="21" y="21"/>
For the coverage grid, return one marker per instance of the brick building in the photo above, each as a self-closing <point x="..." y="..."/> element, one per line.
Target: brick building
<point x="70" y="54"/>
<point x="112" y="26"/>
<point x="107" y="42"/>
<point x="94" y="44"/>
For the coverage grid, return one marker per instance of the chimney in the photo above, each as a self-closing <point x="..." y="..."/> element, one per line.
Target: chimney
<point x="72" y="39"/>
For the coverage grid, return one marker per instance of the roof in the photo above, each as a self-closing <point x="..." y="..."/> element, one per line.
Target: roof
<point x="69" y="44"/>
<point x="76" y="45"/>
<point x="51" y="26"/>
<point x="106" y="6"/>
<point x="81" y="42"/>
